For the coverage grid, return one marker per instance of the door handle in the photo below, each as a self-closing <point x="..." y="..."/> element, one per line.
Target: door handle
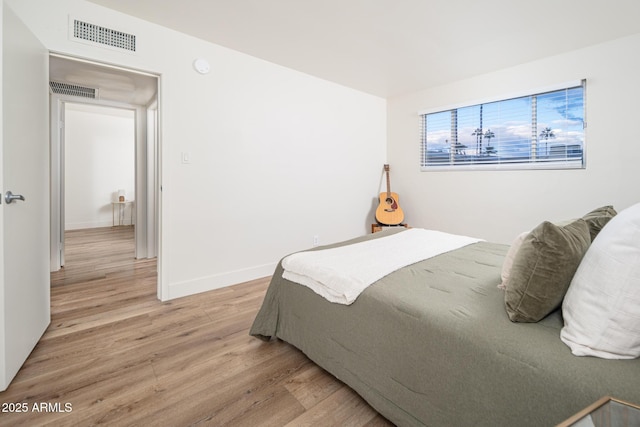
<point x="10" y="197"/>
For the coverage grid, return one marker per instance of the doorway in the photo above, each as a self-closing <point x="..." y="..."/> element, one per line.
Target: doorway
<point x="85" y="88"/>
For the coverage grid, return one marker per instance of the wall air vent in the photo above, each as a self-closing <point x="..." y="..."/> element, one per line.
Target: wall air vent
<point x="73" y="90"/>
<point x="104" y="36"/>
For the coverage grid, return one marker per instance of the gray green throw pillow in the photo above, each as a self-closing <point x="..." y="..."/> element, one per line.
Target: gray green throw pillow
<point x="543" y="268"/>
<point x="598" y="218"/>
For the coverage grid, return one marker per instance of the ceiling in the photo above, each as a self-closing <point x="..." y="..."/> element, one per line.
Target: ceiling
<point x="392" y="47"/>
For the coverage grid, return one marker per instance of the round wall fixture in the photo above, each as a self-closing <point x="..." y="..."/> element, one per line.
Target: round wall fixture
<point x="201" y="65"/>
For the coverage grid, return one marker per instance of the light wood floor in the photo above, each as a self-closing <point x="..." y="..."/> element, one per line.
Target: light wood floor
<point x="115" y="355"/>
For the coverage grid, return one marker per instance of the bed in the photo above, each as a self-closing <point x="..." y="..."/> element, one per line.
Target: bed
<point x="431" y="344"/>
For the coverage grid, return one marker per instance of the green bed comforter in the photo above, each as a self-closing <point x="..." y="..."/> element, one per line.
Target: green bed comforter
<point x="431" y="344"/>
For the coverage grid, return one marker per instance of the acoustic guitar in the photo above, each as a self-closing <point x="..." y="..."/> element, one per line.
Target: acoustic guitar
<point x="389" y="211"/>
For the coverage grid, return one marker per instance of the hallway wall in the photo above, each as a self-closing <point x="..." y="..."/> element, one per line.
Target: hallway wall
<point x="99" y="160"/>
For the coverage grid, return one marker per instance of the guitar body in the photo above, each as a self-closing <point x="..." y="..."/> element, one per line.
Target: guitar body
<point x="389" y="211"/>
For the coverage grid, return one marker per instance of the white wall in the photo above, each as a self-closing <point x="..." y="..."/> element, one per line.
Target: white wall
<point x="277" y="156"/>
<point x="99" y="160"/>
<point x="497" y="205"/>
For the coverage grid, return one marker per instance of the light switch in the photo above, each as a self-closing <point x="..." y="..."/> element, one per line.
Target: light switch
<point x="186" y="157"/>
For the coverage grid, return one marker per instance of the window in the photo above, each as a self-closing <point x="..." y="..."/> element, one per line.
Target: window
<point x="544" y="130"/>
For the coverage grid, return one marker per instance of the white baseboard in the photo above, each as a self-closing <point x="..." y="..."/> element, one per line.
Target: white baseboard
<point x="88" y="224"/>
<point x="209" y="283"/>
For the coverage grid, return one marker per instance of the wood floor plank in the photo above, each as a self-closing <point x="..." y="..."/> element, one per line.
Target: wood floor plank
<point x="342" y="408"/>
<point x="312" y="386"/>
<point x="118" y="356"/>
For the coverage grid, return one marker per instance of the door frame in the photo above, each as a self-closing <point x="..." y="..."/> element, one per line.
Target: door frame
<point x="146" y="169"/>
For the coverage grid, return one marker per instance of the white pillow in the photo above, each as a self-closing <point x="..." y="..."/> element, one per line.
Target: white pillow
<point x="601" y="309"/>
<point x="508" y="259"/>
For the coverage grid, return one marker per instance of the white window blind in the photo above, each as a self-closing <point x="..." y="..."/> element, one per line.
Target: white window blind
<point x="542" y="130"/>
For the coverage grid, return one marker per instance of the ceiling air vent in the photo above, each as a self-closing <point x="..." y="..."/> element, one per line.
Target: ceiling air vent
<point x="73" y="90"/>
<point x="104" y="36"/>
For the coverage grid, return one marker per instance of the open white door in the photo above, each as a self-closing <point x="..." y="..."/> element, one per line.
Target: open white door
<point x="24" y="225"/>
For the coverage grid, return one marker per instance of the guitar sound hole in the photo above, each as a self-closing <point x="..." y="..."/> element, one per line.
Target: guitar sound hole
<point x="389" y="201"/>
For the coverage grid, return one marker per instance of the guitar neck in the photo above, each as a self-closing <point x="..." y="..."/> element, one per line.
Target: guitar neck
<point x="386" y="169"/>
<point x="388" y="185"/>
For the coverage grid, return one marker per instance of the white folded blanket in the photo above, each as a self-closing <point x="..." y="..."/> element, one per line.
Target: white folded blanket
<point x="341" y="274"/>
